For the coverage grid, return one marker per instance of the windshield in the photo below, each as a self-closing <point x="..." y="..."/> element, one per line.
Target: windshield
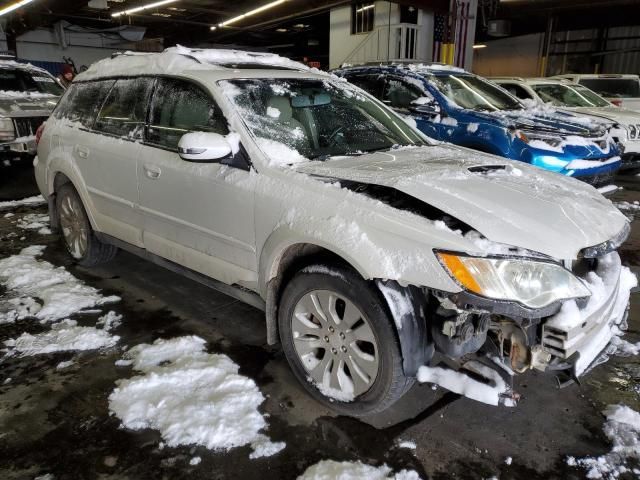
<point x="613" y="87"/>
<point x="316" y="119"/>
<point x="25" y="81"/>
<point x="569" y="95"/>
<point x="474" y="93"/>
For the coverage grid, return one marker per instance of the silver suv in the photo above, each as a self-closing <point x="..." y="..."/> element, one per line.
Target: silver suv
<point x="377" y="255"/>
<point x="28" y="95"/>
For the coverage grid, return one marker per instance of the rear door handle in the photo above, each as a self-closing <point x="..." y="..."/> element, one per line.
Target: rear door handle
<point x="83" y="152"/>
<point x="151" y="171"/>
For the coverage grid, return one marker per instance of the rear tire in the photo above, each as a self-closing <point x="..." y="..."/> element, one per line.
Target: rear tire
<point x="340" y="341"/>
<point x="77" y="235"/>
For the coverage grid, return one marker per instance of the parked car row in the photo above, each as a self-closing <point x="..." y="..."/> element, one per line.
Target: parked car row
<point x="379" y="255"/>
<point x="452" y="105"/>
<point x="565" y="95"/>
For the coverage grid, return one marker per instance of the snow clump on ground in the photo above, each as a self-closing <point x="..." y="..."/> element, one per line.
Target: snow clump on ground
<point x="623" y="430"/>
<point x="192" y="397"/>
<point x="332" y="470"/>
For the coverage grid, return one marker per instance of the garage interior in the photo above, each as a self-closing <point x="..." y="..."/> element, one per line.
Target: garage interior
<point x="55" y="421"/>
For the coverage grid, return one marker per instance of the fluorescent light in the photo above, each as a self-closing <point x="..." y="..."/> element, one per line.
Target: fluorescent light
<point x="143" y="7"/>
<point x="480" y="45"/>
<point x="249" y="13"/>
<point x="15" y="6"/>
<point x="366" y="7"/>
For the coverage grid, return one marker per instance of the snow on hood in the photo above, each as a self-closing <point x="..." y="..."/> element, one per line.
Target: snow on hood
<point x="616" y="114"/>
<point x="519" y="205"/>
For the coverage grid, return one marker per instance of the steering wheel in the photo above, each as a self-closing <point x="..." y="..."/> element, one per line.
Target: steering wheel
<point x="331" y="139"/>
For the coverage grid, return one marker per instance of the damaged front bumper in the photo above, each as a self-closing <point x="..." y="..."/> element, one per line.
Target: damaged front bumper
<point x="575" y="337"/>
<point x="567" y="337"/>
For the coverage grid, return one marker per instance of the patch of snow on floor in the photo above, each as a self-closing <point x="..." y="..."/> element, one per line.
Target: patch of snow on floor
<point x="63" y="337"/>
<point x="192" y="397"/>
<point x="35" y="221"/>
<point x="623" y="430"/>
<point x="628" y="205"/>
<point x="494" y="393"/>
<point x="61" y="293"/>
<point x="30" y="201"/>
<point x="332" y="470"/>
<point x="66" y="364"/>
<point x="109" y="321"/>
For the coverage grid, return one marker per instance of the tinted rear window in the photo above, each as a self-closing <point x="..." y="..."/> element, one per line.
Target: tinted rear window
<point x="613" y="87"/>
<point x="82" y="101"/>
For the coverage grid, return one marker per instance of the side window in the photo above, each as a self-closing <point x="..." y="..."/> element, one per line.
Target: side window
<point x="516" y="91"/>
<point x="82" y="101"/>
<point x="179" y="107"/>
<point x="369" y="83"/>
<point x="399" y="94"/>
<point x="124" y="111"/>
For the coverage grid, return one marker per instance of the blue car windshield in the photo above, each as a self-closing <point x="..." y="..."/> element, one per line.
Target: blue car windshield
<point x="473" y="93"/>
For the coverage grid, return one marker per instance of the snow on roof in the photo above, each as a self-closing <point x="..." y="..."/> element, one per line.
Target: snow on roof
<point x="22" y="66"/>
<point x="179" y="58"/>
<point x="420" y="67"/>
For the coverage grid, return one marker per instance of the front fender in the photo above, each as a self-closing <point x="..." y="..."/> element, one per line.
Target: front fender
<point x="372" y="252"/>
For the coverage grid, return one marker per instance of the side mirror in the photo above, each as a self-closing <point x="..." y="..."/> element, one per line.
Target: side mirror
<point x="203" y="147"/>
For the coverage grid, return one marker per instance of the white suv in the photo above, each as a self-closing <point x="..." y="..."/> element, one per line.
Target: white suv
<point x="621" y="90"/>
<point x="377" y="255"/>
<point x="567" y="95"/>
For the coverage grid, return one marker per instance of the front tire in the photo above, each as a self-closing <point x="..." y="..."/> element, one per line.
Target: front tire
<point x="340" y="341"/>
<point x="77" y="235"/>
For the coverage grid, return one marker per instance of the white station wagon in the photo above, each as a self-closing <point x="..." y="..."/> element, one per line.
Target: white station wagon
<point x="379" y="256"/>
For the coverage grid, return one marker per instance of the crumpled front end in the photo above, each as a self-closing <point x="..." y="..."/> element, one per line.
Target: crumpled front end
<point x="566" y="339"/>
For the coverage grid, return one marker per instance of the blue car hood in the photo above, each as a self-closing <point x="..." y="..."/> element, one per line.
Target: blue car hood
<point x="547" y="120"/>
<point x="518" y="205"/>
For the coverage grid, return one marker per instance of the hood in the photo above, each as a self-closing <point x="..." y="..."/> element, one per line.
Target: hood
<point x="615" y="114"/>
<point x="23" y="104"/>
<point x="546" y="119"/>
<point x="511" y="202"/>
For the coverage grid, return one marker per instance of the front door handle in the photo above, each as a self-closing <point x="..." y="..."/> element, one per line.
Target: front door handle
<point x="83" y="152"/>
<point x="151" y="171"/>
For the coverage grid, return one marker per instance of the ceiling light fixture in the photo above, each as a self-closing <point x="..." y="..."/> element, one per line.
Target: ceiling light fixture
<point x="143" y="7"/>
<point x="480" y="45"/>
<point x="366" y="7"/>
<point x="15" y="6"/>
<point x="249" y="13"/>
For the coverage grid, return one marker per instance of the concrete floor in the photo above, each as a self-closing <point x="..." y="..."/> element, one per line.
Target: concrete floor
<point x="58" y="422"/>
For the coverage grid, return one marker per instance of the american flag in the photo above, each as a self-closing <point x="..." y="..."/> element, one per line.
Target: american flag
<point x="451" y="28"/>
<point x="462" y="27"/>
<point x="439" y="32"/>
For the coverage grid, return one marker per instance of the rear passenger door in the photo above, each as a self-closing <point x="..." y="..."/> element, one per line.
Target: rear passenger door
<point x="111" y="172"/>
<point x="199" y="215"/>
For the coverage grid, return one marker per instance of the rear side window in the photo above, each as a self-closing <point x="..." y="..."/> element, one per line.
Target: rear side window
<point x="125" y="109"/>
<point x="179" y="107"/>
<point x="613" y="87"/>
<point x="82" y="102"/>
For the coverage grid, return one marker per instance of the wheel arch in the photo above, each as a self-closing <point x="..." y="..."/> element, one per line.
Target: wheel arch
<point x="57" y="179"/>
<point x="410" y="325"/>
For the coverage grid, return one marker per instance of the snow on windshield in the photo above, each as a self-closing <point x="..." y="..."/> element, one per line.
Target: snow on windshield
<point x="304" y="119"/>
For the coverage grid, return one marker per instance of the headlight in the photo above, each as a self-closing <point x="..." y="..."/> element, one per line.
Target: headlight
<point x="532" y="283"/>
<point x="527" y="136"/>
<point x="7" y="131"/>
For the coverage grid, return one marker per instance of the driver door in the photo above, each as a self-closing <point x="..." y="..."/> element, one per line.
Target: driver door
<point x="199" y="215"/>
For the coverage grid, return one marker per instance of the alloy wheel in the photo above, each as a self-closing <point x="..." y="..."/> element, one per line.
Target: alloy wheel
<point x="335" y="343"/>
